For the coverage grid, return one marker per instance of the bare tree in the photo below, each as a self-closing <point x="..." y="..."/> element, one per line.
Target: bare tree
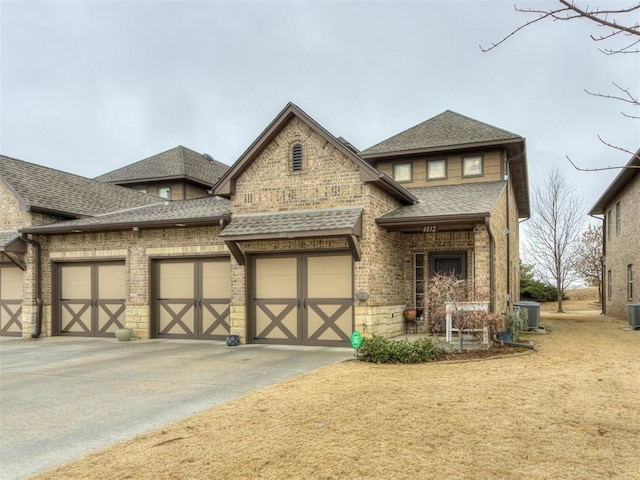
<point x="590" y="257"/>
<point x="618" y="33"/>
<point x="554" y="231"/>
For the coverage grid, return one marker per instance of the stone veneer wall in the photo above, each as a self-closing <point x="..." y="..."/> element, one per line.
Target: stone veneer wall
<point x="137" y="249"/>
<point x="623" y="249"/>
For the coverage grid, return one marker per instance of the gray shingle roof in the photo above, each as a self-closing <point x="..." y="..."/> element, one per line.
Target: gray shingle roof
<point x="444" y="130"/>
<point x="444" y="200"/>
<point x="45" y="189"/>
<point x="197" y="211"/>
<point x="179" y="162"/>
<point x="7" y="237"/>
<point x="279" y="224"/>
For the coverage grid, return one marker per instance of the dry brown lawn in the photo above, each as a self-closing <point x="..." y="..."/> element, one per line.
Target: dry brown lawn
<point x="569" y="410"/>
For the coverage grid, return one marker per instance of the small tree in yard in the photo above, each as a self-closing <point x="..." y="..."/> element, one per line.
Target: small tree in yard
<point x="590" y="257"/>
<point x="449" y="289"/>
<point x="554" y="232"/>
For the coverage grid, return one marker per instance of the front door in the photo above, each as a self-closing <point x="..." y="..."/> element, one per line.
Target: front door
<point x="448" y="264"/>
<point x="302" y="299"/>
<point x="91" y="300"/>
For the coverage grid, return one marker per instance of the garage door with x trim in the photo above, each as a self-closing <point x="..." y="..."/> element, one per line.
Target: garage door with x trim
<point x="304" y="299"/>
<point x="193" y="298"/>
<point x="10" y="301"/>
<point x="91" y="298"/>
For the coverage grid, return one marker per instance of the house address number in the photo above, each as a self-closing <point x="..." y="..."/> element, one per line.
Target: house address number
<point x="430" y="229"/>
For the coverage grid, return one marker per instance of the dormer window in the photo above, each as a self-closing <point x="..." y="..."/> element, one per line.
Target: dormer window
<point x="402" y="172"/>
<point x="472" y="166"/>
<point x="296" y="158"/>
<point x="437" y="169"/>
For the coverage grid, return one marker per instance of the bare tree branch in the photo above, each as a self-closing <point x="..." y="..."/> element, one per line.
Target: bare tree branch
<point x="628" y="99"/>
<point x="617" y="167"/>
<point x="571" y="11"/>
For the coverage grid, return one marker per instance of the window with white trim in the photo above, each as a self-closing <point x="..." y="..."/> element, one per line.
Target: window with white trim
<point x="617" y="218"/>
<point x="418" y="280"/>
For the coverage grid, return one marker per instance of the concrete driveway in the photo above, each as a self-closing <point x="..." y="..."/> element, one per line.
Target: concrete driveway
<point x="64" y="397"/>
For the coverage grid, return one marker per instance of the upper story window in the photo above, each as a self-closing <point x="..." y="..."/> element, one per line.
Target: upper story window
<point x="436" y="169"/>
<point x="296" y="158"/>
<point x="472" y="166"/>
<point x="164" y="192"/>
<point x="609" y="224"/>
<point x="402" y="172"/>
<point x="617" y="218"/>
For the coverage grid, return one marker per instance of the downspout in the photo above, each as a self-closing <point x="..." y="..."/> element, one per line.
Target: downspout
<point x="603" y="297"/>
<point x="508" y="235"/>
<point x="37" y="248"/>
<point x="487" y="224"/>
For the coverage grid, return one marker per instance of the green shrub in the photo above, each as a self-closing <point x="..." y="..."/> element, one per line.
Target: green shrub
<point x="378" y="349"/>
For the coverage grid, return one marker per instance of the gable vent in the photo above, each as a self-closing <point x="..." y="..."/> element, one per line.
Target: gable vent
<point x="296" y="157"/>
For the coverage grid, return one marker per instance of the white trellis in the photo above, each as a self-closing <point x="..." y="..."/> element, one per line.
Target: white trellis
<point x="467" y="307"/>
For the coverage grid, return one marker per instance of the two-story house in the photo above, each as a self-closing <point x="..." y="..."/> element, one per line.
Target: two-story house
<point x="177" y="174"/>
<point x="621" y="233"/>
<point x="305" y="239"/>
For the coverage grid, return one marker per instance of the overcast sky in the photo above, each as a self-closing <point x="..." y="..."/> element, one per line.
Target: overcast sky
<point x="90" y="86"/>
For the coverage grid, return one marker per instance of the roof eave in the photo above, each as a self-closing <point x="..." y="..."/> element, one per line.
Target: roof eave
<point x="438" y="149"/>
<point x="119" y="226"/>
<point x="418" y="224"/>
<point x="616" y="186"/>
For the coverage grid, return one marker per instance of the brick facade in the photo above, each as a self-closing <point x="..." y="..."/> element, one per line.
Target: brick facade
<point x="329" y="179"/>
<point x="622" y="250"/>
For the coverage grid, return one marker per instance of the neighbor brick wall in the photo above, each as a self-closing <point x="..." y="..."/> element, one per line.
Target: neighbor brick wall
<point x="623" y="249"/>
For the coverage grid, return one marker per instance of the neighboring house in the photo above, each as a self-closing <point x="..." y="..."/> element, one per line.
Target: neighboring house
<point x="621" y="245"/>
<point x="35" y="195"/>
<point x="305" y="240"/>
<point x="177" y="174"/>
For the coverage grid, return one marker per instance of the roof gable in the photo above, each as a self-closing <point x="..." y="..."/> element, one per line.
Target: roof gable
<point x="46" y="190"/>
<point x="368" y="173"/>
<point x="179" y="162"/>
<point x="621" y="180"/>
<point x="445" y="131"/>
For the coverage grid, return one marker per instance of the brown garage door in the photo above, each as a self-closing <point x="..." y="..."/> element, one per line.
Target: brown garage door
<point x="91" y="299"/>
<point x="192" y="298"/>
<point x="302" y="299"/>
<point x="11" y="278"/>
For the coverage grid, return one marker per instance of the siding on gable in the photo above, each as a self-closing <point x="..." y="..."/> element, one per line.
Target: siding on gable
<point x="492" y="170"/>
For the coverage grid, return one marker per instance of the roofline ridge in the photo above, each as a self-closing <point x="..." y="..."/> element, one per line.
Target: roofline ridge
<point x="260" y="214"/>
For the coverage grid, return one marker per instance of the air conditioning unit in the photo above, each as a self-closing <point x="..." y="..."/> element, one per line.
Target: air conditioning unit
<point x="634" y="315"/>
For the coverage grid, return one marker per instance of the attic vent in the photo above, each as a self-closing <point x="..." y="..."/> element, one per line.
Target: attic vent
<point x="296" y="158"/>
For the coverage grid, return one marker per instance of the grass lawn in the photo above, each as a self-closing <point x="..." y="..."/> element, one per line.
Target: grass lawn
<point x="568" y="410"/>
